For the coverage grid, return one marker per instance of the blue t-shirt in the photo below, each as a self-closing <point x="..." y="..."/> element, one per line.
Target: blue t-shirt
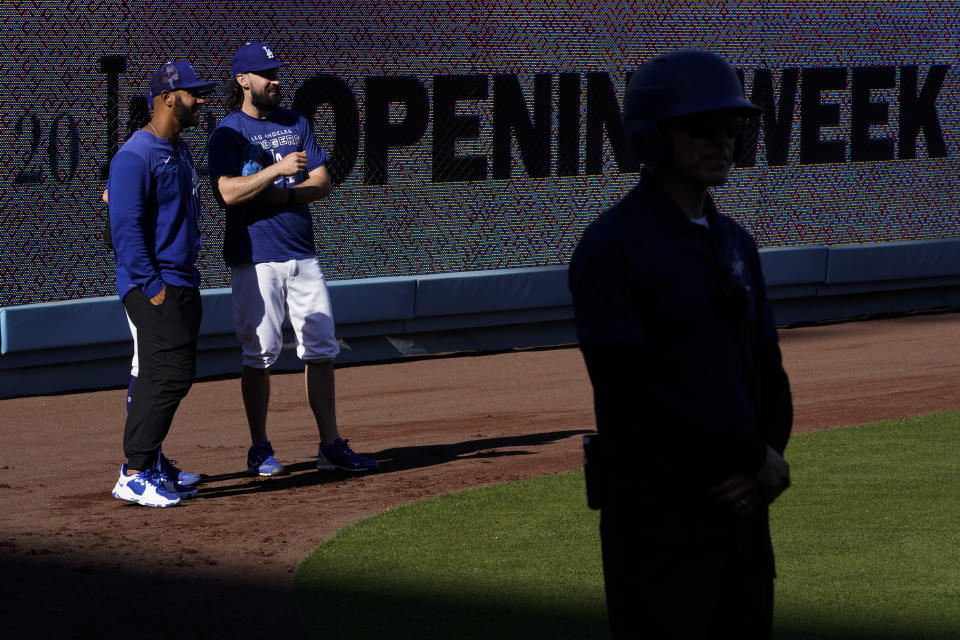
<point x="154" y="214"/>
<point x="242" y="145"/>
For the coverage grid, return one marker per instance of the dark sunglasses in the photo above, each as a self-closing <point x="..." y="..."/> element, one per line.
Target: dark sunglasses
<point x="194" y="91"/>
<point x="268" y="74"/>
<point x="704" y="127"/>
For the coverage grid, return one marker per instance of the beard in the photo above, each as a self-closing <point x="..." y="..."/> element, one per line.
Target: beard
<point x="265" y="101"/>
<point x="185" y="116"/>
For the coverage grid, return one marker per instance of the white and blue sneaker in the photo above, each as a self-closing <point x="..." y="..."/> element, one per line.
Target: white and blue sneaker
<point x="339" y="455"/>
<point x="146" y="488"/>
<point x="260" y="461"/>
<point x="167" y="468"/>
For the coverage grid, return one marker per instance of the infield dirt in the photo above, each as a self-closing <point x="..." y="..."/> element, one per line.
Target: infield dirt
<point x="76" y="563"/>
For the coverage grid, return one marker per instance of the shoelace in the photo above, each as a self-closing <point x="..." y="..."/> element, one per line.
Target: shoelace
<point x="335" y="450"/>
<point x="158" y="479"/>
<point x="340" y="444"/>
<point x="168" y="463"/>
<point x="345" y="450"/>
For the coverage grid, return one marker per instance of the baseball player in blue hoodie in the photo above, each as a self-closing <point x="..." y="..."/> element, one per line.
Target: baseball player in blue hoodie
<point x="154" y="223"/>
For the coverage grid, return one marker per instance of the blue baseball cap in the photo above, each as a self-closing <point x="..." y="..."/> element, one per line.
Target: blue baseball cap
<point x="178" y="75"/>
<point x="254" y="56"/>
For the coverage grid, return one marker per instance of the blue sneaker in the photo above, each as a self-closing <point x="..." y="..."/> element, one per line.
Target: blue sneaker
<point x="165" y="466"/>
<point x="339" y="455"/>
<point x="260" y="461"/>
<point x="172" y="486"/>
<point x="146" y="488"/>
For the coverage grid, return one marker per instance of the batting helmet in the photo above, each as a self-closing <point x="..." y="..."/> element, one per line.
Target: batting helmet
<point x="676" y="84"/>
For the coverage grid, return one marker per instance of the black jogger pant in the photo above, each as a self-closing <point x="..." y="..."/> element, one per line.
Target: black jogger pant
<point x="167" y="354"/>
<point x="686" y="574"/>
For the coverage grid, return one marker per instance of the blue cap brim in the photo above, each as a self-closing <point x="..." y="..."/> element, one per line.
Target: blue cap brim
<point x="263" y="67"/>
<point x="201" y="87"/>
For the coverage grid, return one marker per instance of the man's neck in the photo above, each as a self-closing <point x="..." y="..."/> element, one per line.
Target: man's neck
<point x="165" y="128"/>
<point x="248" y="108"/>
<point x="689" y="196"/>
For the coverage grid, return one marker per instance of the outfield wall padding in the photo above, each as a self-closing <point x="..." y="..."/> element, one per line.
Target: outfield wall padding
<point x="85" y="344"/>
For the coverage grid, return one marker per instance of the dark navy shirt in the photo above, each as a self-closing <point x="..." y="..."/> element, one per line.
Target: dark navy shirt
<point x="242" y="145"/>
<point x="154" y="214"/>
<point x="681" y="312"/>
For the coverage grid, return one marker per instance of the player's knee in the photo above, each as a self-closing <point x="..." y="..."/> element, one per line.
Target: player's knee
<point x="174" y="387"/>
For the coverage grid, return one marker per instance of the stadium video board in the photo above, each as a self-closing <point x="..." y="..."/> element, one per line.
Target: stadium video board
<point x="485" y="134"/>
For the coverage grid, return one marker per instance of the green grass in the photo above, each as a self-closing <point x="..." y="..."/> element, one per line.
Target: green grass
<point x="868" y="538"/>
<point x="516" y="560"/>
<point x="867" y="541"/>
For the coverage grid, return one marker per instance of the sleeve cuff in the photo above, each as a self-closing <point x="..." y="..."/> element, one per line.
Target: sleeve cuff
<point x="753" y="457"/>
<point x="153" y="287"/>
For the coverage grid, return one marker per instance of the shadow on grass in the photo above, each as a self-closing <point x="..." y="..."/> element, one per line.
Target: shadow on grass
<point x="331" y="611"/>
<point x="386" y="613"/>
<point x="864" y="630"/>
<point x="60" y="596"/>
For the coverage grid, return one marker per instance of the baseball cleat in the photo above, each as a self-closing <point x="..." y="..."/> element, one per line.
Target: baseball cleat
<point x="339" y="455"/>
<point x="146" y="488"/>
<point x="260" y="461"/>
<point x="167" y="468"/>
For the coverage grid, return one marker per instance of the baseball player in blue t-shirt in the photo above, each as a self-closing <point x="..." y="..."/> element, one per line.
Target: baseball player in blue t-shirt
<point x="265" y="167"/>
